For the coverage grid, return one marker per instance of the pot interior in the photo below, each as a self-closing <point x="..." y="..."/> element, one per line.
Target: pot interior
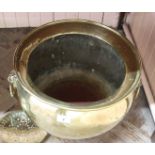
<point x="76" y="68"/>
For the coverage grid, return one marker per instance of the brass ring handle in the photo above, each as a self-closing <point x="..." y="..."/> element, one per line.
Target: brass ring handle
<point x="12" y="78"/>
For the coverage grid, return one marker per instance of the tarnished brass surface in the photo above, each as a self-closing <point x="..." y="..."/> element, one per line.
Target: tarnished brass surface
<point x="76" y="121"/>
<point x="16" y="127"/>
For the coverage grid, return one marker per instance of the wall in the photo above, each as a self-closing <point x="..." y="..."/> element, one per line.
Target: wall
<point x="24" y="19"/>
<point x="142" y="27"/>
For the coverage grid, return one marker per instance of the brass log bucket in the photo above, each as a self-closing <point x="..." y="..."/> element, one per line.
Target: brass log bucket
<point x="85" y="51"/>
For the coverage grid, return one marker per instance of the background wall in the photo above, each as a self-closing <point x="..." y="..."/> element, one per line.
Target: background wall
<point x="23" y="19"/>
<point x="142" y="28"/>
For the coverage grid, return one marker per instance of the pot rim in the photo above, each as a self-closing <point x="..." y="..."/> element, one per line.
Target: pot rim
<point x="94" y="105"/>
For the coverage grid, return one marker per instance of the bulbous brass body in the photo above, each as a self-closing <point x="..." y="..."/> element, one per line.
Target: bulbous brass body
<point x="67" y="120"/>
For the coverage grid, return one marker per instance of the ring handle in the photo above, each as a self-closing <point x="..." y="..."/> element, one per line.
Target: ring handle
<point x="12" y="79"/>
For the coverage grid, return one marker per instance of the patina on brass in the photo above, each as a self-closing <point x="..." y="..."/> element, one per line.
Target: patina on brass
<point x="75" y="44"/>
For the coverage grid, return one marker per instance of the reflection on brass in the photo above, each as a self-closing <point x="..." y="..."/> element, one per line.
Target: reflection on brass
<point x="16" y="126"/>
<point x="62" y="50"/>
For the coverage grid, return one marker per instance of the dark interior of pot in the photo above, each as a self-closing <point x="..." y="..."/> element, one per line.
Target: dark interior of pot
<point x="76" y="68"/>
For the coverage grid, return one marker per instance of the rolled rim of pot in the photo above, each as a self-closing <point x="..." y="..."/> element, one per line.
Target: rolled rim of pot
<point x="128" y="52"/>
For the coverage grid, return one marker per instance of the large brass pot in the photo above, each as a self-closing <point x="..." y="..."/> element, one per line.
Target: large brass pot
<point x="91" y="44"/>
